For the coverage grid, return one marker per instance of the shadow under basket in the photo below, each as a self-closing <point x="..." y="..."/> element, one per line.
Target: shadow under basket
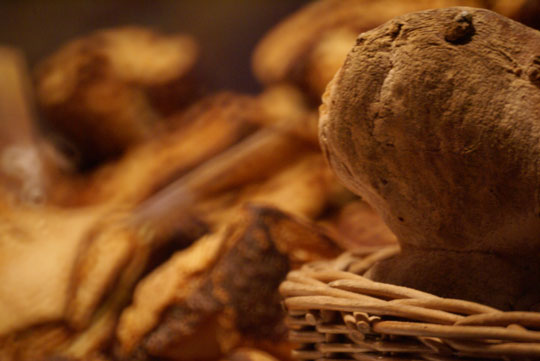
<point x="334" y="313"/>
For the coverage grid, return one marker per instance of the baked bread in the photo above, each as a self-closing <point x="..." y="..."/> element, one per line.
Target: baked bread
<point x="106" y="91"/>
<point x="434" y="119"/>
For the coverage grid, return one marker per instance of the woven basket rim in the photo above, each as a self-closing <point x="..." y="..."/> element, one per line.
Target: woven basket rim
<point x="336" y="313"/>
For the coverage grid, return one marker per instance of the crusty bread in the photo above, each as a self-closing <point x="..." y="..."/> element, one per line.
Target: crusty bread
<point x="435" y="120"/>
<point x="104" y="92"/>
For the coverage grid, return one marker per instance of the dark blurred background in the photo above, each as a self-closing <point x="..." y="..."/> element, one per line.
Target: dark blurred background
<point x="227" y="30"/>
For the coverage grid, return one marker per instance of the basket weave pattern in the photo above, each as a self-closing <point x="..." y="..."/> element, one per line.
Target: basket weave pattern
<point x="335" y="313"/>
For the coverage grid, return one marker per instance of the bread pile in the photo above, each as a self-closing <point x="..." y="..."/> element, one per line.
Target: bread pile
<point x="145" y="219"/>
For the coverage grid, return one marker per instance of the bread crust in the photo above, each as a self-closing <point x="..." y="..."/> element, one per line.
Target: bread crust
<point x="434" y="120"/>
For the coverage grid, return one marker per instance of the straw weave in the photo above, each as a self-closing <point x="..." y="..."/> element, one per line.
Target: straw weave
<point x="335" y="313"/>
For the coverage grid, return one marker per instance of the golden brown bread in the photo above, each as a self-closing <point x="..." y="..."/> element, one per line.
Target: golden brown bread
<point x="65" y="274"/>
<point x="99" y="91"/>
<point x="90" y="257"/>
<point x="222" y="291"/>
<point x="433" y="119"/>
<point x="202" y="131"/>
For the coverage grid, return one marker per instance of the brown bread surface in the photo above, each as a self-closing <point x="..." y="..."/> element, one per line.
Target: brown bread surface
<point x="434" y="119"/>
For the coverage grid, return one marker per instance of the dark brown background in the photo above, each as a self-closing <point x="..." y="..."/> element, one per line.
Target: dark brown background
<point x="227" y="30"/>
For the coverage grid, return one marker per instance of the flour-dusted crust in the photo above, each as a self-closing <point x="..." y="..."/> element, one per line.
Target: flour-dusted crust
<point x="435" y="120"/>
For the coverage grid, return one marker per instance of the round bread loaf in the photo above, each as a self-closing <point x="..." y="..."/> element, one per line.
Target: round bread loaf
<point x="435" y="120"/>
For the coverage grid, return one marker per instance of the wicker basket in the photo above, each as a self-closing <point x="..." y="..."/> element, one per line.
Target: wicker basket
<point x="335" y="313"/>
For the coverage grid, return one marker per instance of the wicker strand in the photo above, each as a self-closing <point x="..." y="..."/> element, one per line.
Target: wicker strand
<point x="526" y="319"/>
<point x="386" y="309"/>
<point x="453" y="331"/>
<point x="450" y="305"/>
